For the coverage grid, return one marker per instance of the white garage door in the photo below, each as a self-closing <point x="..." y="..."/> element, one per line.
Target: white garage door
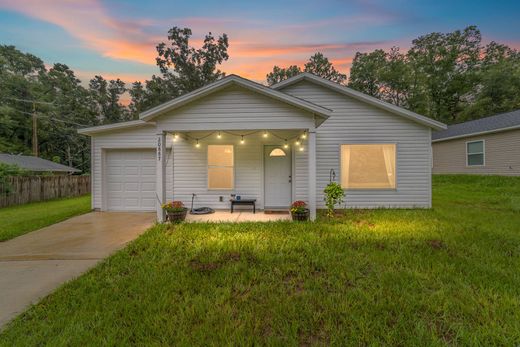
<point x="130" y="180"/>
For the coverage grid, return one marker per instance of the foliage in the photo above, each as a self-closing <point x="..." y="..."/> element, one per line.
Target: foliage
<point x="298" y="206"/>
<point x="21" y="219"/>
<point x="318" y="65"/>
<point x="8" y="170"/>
<point x="423" y="277"/>
<point x="334" y="195"/>
<point x="173" y="206"/>
<point x="450" y="77"/>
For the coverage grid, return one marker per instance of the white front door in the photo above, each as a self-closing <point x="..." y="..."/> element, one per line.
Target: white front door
<point x="277" y="177"/>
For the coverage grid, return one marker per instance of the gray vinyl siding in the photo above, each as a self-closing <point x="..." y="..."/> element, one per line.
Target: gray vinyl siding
<point x="355" y="122"/>
<point x="235" y="108"/>
<point x="501" y="155"/>
<point x="138" y="138"/>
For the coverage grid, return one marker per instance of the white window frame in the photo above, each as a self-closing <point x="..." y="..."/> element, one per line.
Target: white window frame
<point x="483" y="153"/>
<point x="218" y="166"/>
<point x="371" y="143"/>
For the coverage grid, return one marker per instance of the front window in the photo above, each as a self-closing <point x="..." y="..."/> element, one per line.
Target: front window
<point x="475" y="151"/>
<point x="220" y="167"/>
<point x="368" y="166"/>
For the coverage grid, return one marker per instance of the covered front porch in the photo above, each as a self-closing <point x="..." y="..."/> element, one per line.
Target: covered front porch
<point x="273" y="166"/>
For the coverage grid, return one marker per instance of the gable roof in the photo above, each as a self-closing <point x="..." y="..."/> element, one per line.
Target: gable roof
<point x="361" y="97"/>
<point x="31" y="163"/>
<point x="499" y="122"/>
<point x="242" y="82"/>
<point x="114" y="126"/>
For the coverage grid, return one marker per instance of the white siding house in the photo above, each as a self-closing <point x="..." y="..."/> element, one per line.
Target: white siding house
<point x="276" y="145"/>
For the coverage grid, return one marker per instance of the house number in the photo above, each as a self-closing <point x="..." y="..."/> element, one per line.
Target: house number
<point x="159" y="147"/>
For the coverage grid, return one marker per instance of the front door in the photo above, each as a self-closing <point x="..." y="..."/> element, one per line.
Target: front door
<point x="277" y="177"/>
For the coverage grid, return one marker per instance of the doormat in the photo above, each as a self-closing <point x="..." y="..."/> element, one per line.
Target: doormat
<point x="276" y="212"/>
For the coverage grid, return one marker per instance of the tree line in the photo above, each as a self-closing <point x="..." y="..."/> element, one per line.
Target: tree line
<point x="451" y="77"/>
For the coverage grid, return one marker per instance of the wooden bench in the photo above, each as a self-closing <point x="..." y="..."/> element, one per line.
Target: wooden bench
<point x="243" y="202"/>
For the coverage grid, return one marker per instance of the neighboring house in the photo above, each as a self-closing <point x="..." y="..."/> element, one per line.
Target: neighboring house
<point x="36" y="165"/>
<point x="489" y="145"/>
<point x="275" y="144"/>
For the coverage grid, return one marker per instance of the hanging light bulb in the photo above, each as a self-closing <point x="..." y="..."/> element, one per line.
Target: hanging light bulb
<point x="298" y="142"/>
<point x="219" y="135"/>
<point x="304" y="136"/>
<point x="175" y="137"/>
<point x="265" y="133"/>
<point x="197" y="144"/>
<point x="242" y="141"/>
<point x="301" y="148"/>
<point x="286" y="145"/>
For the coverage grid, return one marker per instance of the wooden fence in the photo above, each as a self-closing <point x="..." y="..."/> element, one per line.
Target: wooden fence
<point x="24" y="189"/>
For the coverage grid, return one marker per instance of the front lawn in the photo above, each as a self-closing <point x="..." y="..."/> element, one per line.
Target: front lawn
<point x="449" y="275"/>
<point x="21" y="219"/>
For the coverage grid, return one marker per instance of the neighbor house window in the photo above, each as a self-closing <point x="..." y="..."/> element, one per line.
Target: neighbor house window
<point x="475" y="153"/>
<point x="220" y="167"/>
<point x="368" y="166"/>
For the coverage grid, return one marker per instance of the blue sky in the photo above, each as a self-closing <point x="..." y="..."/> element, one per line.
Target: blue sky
<point x="118" y="38"/>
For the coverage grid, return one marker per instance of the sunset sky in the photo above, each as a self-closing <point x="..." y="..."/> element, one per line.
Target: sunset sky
<point x="118" y="38"/>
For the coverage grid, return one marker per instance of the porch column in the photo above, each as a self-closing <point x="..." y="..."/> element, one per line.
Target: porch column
<point x="160" y="175"/>
<point x="312" y="173"/>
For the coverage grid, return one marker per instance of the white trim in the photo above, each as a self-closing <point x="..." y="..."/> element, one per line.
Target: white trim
<point x="234" y="80"/>
<point x="477" y="133"/>
<point x="311" y="161"/>
<point x="112" y="127"/>
<point x="483" y="153"/>
<point x="362" y="97"/>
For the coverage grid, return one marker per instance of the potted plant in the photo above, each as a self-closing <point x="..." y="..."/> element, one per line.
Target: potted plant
<point x="299" y="211"/>
<point x="334" y="195"/>
<point x="175" y="211"/>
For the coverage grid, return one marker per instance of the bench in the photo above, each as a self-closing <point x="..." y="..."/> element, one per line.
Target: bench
<point x="243" y="202"/>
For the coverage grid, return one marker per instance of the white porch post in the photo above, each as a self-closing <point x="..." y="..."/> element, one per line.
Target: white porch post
<point x="160" y="175"/>
<point x="312" y="173"/>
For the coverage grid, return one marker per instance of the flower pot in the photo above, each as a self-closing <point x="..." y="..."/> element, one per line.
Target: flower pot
<point x="177" y="216"/>
<point x="301" y="216"/>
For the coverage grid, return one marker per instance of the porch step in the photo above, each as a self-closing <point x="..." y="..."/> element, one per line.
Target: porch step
<point x="276" y="211"/>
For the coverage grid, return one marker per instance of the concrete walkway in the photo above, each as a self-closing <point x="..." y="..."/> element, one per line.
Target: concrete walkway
<point x="34" y="264"/>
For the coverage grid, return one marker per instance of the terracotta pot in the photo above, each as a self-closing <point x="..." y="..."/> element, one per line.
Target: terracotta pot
<point x="177" y="216"/>
<point x="301" y="216"/>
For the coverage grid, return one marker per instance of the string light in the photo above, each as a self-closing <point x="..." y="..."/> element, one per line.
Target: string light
<point x="175" y="137"/>
<point x="298" y="142"/>
<point x="197" y="144"/>
<point x="265" y="133"/>
<point x="301" y="149"/>
<point x="286" y="145"/>
<point x="242" y="140"/>
<point x="304" y="136"/>
<point x="218" y="135"/>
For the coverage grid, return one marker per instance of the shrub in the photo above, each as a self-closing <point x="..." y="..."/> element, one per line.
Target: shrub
<point x="334" y="195"/>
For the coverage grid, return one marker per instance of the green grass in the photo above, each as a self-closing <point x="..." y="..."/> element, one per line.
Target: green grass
<point x="449" y="275"/>
<point x="19" y="220"/>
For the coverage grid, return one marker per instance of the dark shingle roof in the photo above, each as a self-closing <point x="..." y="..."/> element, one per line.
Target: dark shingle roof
<point x="34" y="163"/>
<point x="500" y="121"/>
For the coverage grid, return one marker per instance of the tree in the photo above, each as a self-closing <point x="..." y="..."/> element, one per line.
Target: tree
<point x="106" y="99"/>
<point x="154" y="92"/>
<point x="366" y="72"/>
<point x="193" y="68"/>
<point x="317" y="64"/>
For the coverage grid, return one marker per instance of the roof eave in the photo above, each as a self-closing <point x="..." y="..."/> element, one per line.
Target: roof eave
<point x="362" y="97"/>
<point x="492" y="131"/>
<point x="113" y="127"/>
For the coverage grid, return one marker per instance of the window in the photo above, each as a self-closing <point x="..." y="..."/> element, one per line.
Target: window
<point x="220" y="167"/>
<point x="368" y="166"/>
<point x="277" y="152"/>
<point x="475" y="153"/>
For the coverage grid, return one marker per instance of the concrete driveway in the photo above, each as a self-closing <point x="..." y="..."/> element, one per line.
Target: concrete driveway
<point x="34" y="264"/>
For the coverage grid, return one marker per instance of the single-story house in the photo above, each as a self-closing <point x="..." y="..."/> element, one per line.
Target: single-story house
<point x="486" y="146"/>
<point x="36" y="165"/>
<point x="274" y="144"/>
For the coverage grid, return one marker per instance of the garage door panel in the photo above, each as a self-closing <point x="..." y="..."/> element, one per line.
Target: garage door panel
<point x="130" y="176"/>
